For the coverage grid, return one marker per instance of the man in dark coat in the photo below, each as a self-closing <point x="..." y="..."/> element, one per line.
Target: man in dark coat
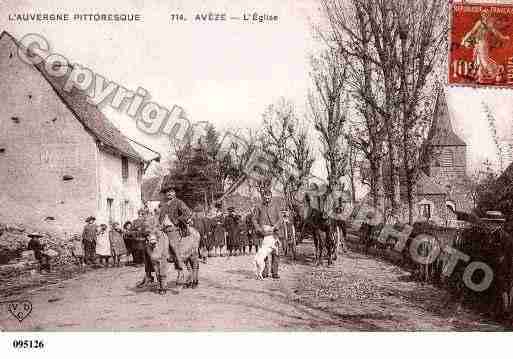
<point x="231" y="224"/>
<point x="217" y="229"/>
<point x="89" y="240"/>
<point x="252" y="238"/>
<point x="175" y="217"/>
<point x="139" y="239"/>
<point x="268" y="214"/>
<point x="199" y="222"/>
<point x="175" y="211"/>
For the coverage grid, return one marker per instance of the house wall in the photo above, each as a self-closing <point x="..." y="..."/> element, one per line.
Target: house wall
<point x="438" y="209"/>
<point x="40" y="142"/>
<point x="124" y="195"/>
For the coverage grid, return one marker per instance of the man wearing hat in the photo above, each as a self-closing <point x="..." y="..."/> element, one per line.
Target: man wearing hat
<point x="232" y="227"/>
<point x="89" y="240"/>
<point x="174" y="218"/>
<point x="36" y="246"/>
<point x="174" y="212"/>
<point x="268" y="214"/>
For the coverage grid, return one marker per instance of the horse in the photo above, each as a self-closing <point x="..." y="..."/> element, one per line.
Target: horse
<point x="328" y="231"/>
<point x="315" y="221"/>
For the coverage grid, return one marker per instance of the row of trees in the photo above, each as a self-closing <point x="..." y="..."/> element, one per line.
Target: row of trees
<point x="370" y="103"/>
<point x="387" y="53"/>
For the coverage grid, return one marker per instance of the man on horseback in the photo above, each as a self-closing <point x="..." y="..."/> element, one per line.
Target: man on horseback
<point x="175" y="212"/>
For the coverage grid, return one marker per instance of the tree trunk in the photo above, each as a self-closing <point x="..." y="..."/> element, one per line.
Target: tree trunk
<point x="410" y="194"/>
<point x="351" y="171"/>
<point x="395" y="185"/>
<point x="376" y="183"/>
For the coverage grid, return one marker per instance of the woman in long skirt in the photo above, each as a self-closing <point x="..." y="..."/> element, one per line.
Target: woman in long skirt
<point x="103" y="245"/>
<point x="128" y="239"/>
<point x="219" y="234"/>
<point x="243" y="237"/>
<point x="208" y="240"/>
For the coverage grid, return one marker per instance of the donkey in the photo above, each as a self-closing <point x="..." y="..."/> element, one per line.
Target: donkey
<point x="165" y="246"/>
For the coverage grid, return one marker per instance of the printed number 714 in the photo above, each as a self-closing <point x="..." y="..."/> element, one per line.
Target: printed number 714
<point x="177" y="17"/>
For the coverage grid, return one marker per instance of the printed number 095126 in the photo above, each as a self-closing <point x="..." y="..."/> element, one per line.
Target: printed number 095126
<point x="28" y="344"/>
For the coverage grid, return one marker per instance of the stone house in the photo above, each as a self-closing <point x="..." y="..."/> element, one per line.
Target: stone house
<point x="61" y="160"/>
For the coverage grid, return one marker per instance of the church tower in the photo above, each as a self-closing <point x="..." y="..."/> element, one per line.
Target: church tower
<point x="446" y="153"/>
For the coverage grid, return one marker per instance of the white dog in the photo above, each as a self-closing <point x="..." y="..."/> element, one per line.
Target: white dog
<point x="269" y="243"/>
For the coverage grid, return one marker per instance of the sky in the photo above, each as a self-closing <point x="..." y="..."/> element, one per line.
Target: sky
<point x="225" y="73"/>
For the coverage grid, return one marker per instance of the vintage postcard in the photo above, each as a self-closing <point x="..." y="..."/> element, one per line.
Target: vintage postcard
<point x="276" y="165"/>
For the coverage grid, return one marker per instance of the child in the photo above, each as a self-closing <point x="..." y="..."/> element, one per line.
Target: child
<point x="78" y="250"/>
<point x="38" y="248"/>
<point x="117" y="245"/>
<point x="103" y="245"/>
<point x="89" y="240"/>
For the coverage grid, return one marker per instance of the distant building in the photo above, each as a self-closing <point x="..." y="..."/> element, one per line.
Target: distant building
<point x="444" y="173"/>
<point x="442" y="176"/>
<point x="61" y="160"/>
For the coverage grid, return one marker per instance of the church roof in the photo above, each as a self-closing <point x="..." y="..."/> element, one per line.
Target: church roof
<point x="441" y="132"/>
<point x="93" y="120"/>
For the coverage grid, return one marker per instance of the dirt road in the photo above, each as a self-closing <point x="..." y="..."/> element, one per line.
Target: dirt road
<point x="358" y="293"/>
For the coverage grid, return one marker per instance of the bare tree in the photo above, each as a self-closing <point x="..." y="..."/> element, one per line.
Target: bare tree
<point x="284" y="140"/>
<point x="328" y="109"/>
<point x="395" y="45"/>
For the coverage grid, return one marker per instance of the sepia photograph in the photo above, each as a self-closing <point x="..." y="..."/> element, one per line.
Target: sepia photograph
<point x="255" y="166"/>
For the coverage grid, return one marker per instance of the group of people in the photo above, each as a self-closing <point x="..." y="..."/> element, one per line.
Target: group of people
<point x="99" y="244"/>
<point x="234" y="233"/>
<point x="229" y="234"/>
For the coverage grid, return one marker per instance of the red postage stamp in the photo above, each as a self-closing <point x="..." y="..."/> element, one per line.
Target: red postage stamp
<point x="481" y="46"/>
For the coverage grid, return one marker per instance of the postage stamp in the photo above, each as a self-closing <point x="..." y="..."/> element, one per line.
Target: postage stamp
<point x="481" y="46"/>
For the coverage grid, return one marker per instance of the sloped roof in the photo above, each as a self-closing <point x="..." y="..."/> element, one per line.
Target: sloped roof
<point x="441" y="132"/>
<point x="88" y="114"/>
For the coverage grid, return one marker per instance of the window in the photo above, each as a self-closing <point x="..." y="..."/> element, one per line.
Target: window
<point x="124" y="207"/>
<point x="425" y="210"/>
<point x="124" y="168"/>
<point x="110" y="201"/>
<point x="139" y="174"/>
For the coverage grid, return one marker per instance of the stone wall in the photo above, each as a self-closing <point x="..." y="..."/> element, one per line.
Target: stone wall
<point x="47" y="158"/>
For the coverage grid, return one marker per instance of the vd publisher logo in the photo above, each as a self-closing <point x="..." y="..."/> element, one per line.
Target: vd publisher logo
<point x="20" y="309"/>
